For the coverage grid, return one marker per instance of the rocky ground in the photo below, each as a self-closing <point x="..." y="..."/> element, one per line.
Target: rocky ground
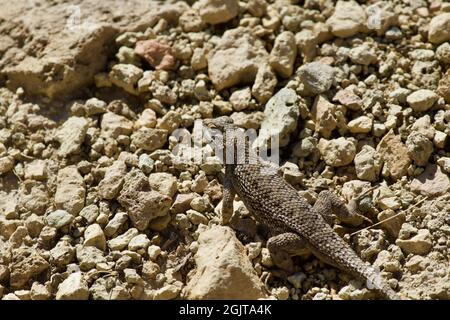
<point x="94" y="203"/>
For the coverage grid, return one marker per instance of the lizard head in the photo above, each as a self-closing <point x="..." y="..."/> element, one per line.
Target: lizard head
<point x="219" y="123"/>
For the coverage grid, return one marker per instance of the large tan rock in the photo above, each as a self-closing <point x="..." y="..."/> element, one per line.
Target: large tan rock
<point x="394" y="154"/>
<point x="439" y="28"/>
<point x="236" y="58"/>
<point x="70" y="190"/>
<point x="223" y="270"/>
<point x="56" y="47"/>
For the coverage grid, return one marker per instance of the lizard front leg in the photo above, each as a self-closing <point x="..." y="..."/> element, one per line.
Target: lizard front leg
<point x="228" y="197"/>
<point x="285" y="245"/>
<point x="328" y="203"/>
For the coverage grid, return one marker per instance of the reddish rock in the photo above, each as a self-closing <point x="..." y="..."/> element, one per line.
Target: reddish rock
<point x="158" y="55"/>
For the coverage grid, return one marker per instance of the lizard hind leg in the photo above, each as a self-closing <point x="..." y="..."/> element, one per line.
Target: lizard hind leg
<point x="285" y="245"/>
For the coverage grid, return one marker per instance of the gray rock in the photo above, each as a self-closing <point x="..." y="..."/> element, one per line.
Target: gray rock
<point x="316" y="77"/>
<point x="281" y="114"/>
<point x="58" y="219"/>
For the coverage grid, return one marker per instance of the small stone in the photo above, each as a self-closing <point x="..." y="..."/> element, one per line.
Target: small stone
<point x="337" y="152"/>
<point x="39" y="292"/>
<point x="94" y="106"/>
<point x="265" y="83"/>
<point x="6" y="164"/>
<point x="444" y="163"/>
<point x="114" y="125"/>
<point x="62" y="254"/>
<point x="88" y="257"/>
<point x="58" y="219"/>
<point x="26" y="268"/>
<point x="149" y="139"/>
<point x="380" y="17"/>
<point x="73" y="288"/>
<point x="196" y="217"/>
<point x="110" y="185"/>
<point x="201" y="204"/>
<point x="115" y="223"/>
<point x="362" y="124"/>
<point x="443" y="88"/>
<point x="217" y="11"/>
<point x="394" y="155"/>
<point x="296" y="279"/>
<point x="71" y="135"/>
<point x="443" y="52"/>
<point x="122" y="241"/>
<point x="190" y="21"/>
<point x="170" y="121"/>
<point x="419" y="147"/>
<point x="94" y="236"/>
<point x="347" y="20"/>
<point x="153" y="252"/>
<point x="70" y="190"/>
<point x="422" y="100"/>
<point x="439" y="28"/>
<point x="281" y="114"/>
<point x="240" y="99"/>
<point x="199" y="60"/>
<point x="432" y="182"/>
<point x="323" y="113"/>
<point x="167" y="292"/>
<point x="283" y="54"/>
<point x="90" y="213"/>
<point x="420" y="244"/>
<point x="146" y="164"/>
<point x="367" y="164"/>
<point x="363" y="55"/>
<point x="235" y="59"/>
<point x="316" y="77"/>
<point x="164" y="183"/>
<point x="348" y="98"/>
<point x="126" y="76"/>
<point x="439" y="139"/>
<point x="248" y="120"/>
<point x="139" y="242"/>
<point x="36" y="170"/>
<point x="146" y="119"/>
<point x="253" y="250"/>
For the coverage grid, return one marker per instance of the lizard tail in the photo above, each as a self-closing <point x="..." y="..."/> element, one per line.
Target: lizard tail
<point x="375" y="281"/>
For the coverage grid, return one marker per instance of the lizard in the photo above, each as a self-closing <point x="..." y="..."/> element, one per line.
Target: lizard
<point x="295" y="227"/>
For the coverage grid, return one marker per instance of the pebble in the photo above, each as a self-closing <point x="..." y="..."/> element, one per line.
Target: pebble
<point x="367" y="164"/>
<point x="235" y="59"/>
<point x="439" y="28"/>
<point x="215" y="12"/>
<point x="337" y="152"/>
<point x="73" y="288"/>
<point x="422" y="100"/>
<point x="71" y="135"/>
<point x="281" y="114"/>
<point x="158" y="55"/>
<point x="58" y="219"/>
<point x="431" y="182"/>
<point x="316" y="77"/>
<point x="283" y="54"/>
<point x="70" y="190"/>
<point x="347" y="20"/>
<point x="126" y="76"/>
<point x="94" y="236"/>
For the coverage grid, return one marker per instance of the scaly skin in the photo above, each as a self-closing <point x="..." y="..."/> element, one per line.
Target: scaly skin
<point x="294" y="224"/>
